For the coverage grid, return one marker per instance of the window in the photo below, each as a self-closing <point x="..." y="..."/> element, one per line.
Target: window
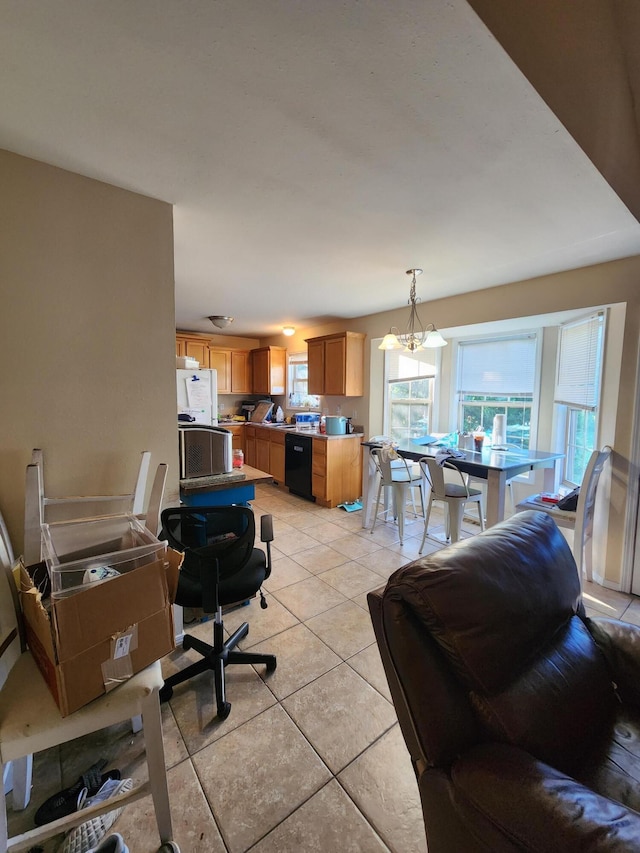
<point x="299" y="383"/>
<point x="577" y="392"/>
<point x="409" y="394"/>
<point x="497" y="376"/>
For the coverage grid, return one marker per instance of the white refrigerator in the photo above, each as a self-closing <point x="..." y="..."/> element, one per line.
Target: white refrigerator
<point x="197" y="392"/>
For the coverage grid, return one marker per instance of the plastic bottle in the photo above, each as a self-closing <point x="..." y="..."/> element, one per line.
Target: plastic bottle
<point x="323" y="427"/>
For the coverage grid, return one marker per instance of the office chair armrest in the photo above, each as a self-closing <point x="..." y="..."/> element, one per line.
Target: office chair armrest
<point x="504" y="791"/>
<point x="619" y="642"/>
<point x="266" y="536"/>
<point x="266" y="528"/>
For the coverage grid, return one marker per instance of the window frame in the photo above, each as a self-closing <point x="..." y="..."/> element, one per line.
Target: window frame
<point x="567" y="410"/>
<point x="294" y="359"/>
<point x="458" y="403"/>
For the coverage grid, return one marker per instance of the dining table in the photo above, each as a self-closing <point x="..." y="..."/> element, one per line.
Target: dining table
<point x="491" y="464"/>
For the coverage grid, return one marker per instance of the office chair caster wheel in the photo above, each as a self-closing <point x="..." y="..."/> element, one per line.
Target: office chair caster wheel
<point x="271" y="667"/>
<point x="166" y="692"/>
<point x="224" y="710"/>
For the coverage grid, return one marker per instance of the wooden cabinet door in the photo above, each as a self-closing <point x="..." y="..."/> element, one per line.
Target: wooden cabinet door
<point x="237" y="436"/>
<point x="250" y="446"/>
<point x="260" y="369"/>
<point x="262" y="452"/>
<point x="220" y="360"/>
<point x="334" y="366"/>
<point x="240" y="372"/>
<point x="315" y="362"/>
<point x="276" y="457"/>
<point x="198" y="350"/>
<point x="179" y="347"/>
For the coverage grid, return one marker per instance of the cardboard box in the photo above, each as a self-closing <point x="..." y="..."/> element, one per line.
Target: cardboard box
<point x="88" y="643"/>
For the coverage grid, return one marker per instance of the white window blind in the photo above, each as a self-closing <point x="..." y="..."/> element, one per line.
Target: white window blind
<point x="408" y="365"/>
<point x="580" y="363"/>
<point x="498" y="367"/>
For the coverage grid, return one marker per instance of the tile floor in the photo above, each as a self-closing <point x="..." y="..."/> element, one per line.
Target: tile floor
<point x="311" y="757"/>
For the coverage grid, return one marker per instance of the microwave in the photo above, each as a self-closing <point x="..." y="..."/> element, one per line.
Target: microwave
<point x="204" y="451"/>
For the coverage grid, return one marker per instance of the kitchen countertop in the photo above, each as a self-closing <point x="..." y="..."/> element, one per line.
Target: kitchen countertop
<point x="291" y="428"/>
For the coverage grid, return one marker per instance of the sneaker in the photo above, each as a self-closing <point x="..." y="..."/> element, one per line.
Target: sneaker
<point x="87" y="836"/>
<point x="71" y="799"/>
<point x="111" y="844"/>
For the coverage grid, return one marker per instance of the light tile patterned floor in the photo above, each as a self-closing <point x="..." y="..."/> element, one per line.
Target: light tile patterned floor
<point x="311" y="757"/>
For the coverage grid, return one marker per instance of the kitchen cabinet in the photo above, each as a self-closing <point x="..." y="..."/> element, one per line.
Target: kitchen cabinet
<point x="220" y="361"/>
<point x="194" y="347"/>
<point x="276" y="454"/>
<point x="263" y="450"/>
<point x="336" y="473"/>
<point x="237" y="435"/>
<point x="240" y="371"/>
<point x="269" y="367"/>
<point x="250" y="445"/>
<point x="336" y="364"/>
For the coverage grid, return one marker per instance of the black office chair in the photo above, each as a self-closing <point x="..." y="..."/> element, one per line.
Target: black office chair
<point x="220" y="567"/>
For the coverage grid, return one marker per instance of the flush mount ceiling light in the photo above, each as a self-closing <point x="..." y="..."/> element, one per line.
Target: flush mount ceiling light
<point x="288" y="330"/>
<point x="415" y="335"/>
<point x="220" y="321"/>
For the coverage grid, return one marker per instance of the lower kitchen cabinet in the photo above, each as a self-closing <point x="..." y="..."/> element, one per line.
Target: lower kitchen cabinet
<point x="262" y="449"/>
<point x="276" y="455"/>
<point x="237" y="435"/>
<point x="336" y="474"/>
<point x="250" y="445"/>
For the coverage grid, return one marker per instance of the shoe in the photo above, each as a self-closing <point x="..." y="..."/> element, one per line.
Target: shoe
<point x="85" y="837"/>
<point x="111" y="844"/>
<point x="70" y="799"/>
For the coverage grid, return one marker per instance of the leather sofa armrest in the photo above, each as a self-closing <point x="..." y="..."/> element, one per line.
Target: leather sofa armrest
<point x="502" y="791"/>
<point x="620" y="644"/>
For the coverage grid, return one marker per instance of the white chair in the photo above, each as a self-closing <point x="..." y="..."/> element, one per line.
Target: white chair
<point x="30" y="721"/>
<point x="36" y="502"/>
<point x="454" y="495"/>
<point x="580" y="521"/>
<point x="400" y="478"/>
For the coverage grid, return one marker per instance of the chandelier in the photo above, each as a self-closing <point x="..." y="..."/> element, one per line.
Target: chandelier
<point x="416" y="335"/>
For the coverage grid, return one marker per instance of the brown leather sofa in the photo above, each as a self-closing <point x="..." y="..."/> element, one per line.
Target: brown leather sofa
<point x="521" y="714"/>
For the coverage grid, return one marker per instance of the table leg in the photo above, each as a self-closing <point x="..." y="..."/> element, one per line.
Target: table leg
<point x="368" y="487"/>
<point x="496" y="487"/>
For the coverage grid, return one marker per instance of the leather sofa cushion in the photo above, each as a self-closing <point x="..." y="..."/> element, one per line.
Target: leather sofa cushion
<point x="503" y="609"/>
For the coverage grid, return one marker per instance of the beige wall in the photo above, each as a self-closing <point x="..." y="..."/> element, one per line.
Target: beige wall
<point x="87" y="334"/>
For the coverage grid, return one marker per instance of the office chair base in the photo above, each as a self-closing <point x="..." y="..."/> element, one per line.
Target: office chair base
<point x="216" y="658"/>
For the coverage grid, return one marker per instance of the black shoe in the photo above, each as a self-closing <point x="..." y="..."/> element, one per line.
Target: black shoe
<point x="68" y="801"/>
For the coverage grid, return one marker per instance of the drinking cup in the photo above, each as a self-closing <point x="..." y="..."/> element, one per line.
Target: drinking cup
<point x="478" y="441"/>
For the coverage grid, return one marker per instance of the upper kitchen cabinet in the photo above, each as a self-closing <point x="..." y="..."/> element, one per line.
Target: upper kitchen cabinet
<point x="241" y="372"/>
<point x="194" y="347"/>
<point x="220" y="360"/>
<point x="234" y="372"/>
<point x="269" y="366"/>
<point x="336" y="364"/>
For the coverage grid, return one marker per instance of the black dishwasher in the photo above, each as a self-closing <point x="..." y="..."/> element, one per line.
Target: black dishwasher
<point x="297" y="464"/>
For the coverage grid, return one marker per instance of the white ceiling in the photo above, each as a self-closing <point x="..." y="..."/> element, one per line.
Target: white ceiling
<point x="313" y="151"/>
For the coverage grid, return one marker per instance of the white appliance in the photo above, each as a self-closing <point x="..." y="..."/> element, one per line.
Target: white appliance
<point x="198" y="395"/>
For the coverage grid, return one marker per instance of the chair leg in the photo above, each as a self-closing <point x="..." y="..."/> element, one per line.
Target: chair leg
<point x="481" y="514"/>
<point x="156" y="763"/>
<point x="399" y="496"/>
<point x="427" y="515"/>
<point x="376" y="508"/>
<point x="21" y="771"/>
<point x="456" y="512"/>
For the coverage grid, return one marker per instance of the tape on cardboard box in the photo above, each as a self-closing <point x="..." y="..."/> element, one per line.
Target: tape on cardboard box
<point x="119" y="666"/>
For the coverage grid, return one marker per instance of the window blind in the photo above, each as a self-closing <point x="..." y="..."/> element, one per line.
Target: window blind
<point x="408" y="365"/>
<point x="497" y="367"/>
<point x="580" y="362"/>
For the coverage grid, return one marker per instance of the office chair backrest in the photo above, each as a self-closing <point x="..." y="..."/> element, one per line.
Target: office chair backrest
<point x="225" y="534"/>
